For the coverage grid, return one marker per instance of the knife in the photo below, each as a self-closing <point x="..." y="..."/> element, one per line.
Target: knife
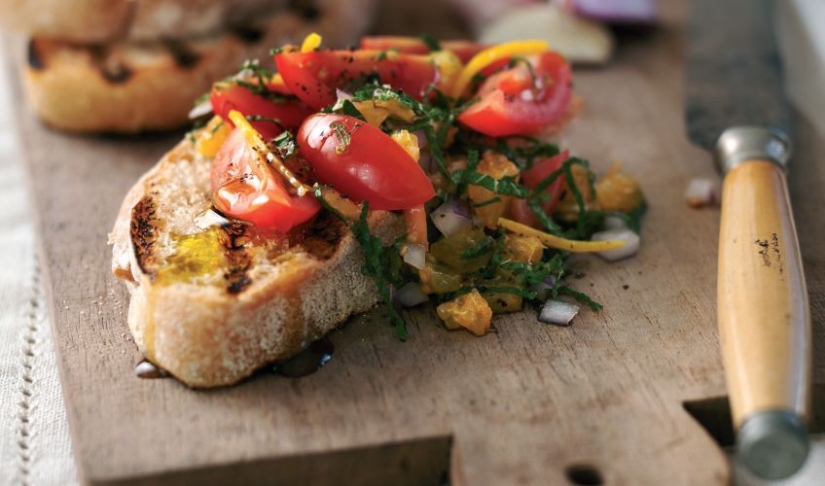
<point x="736" y="108"/>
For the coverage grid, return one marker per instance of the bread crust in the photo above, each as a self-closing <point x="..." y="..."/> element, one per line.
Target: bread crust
<point x="200" y="330"/>
<point x="129" y="87"/>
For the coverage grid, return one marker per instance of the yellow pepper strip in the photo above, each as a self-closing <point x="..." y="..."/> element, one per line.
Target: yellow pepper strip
<point x="212" y="136"/>
<point x="311" y="42"/>
<point x="573" y="246"/>
<point x="493" y="54"/>
<point x="265" y="156"/>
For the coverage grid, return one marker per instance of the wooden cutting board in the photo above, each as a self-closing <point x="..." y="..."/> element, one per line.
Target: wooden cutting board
<point x="601" y="401"/>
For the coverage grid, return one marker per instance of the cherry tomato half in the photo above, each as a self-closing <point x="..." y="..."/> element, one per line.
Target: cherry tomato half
<point x="362" y="162"/>
<point x="522" y="100"/>
<point x="534" y="176"/>
<point x="314" y="76"/>
<point x="277" y="112"/>
<point x="465" y="50"/>
<point x="239" y="193"/>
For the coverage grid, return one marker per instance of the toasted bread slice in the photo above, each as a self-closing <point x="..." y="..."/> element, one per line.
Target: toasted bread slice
<point x="212" y="303"/>
<point x="95" y="21"/>
<point x="129" y="87"/>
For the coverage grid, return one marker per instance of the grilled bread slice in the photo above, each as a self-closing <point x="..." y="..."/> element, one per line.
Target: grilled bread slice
<point x="212" y="302"/>
<point x="128" y="86"/>
<point x="96" y="21"/>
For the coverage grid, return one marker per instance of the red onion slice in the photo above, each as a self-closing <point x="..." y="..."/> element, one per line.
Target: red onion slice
<point x="451" y="218"/>
<point x="415" y="255"/>
<point x="702" y="192"/>
<point x="613" y="222"/>
<point x="200" y="110"/>
<point x="411" y="295"/>
<point x="558" y="313"/>
<point x="630" y="248"/>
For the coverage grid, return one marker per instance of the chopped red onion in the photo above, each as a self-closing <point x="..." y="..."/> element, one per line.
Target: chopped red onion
<point x="422" y="139"/>
<point x="415" y="255"/>
<point x="635" y="12"/>
<point x="411" y="295"/>
<point x="544" y="286"/>
<point x="450" y="218"/>
<point x="558" y="312"/>
<point x="342" y="95"/>
<point x="702" y="192"/>
<point x="200" y="110"/>
<point x="614" y="222"/>
<point x="630" y="248"/>
<point x="425" y="161"/>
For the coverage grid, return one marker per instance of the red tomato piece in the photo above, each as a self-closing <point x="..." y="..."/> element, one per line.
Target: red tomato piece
<point x="465" y="50"/>
<point x="362" y="162"/>
<point x="534" y="176"/>
<point x="239" y="193"/>
<point x="522" y="100"/>
<point x="314" y="76"/>
<point x="277" y="113"/>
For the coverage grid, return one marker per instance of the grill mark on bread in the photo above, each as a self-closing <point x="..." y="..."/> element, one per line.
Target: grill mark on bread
<point x="322" y="237"/>
<point x="237" y="257"/>
<point x="183" y="55"/>
<point x="142" y="232"/>
<point x="248" y="34"/>
<point x="33" y="56"/>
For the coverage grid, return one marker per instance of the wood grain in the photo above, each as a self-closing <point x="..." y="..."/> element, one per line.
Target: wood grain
<point x="529" y="404"/>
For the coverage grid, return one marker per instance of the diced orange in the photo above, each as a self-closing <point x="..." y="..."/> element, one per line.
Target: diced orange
<point x="618" y="192"/>
<point x="469" y="311"/>
<point x="523" y="248"/>
<point x="497" y="166"/>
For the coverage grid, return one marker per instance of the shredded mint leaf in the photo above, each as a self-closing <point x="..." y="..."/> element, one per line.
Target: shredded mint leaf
<point x="482" y="247"/>
<point x="506" y="186"/>
<point x="285" y="144"/>
<point x="432" y="44"/>
<point x="487" y="202"/>
<point x="581" y="297"/>
<point x="376" y="259"/>
<point x="381" y="263"/>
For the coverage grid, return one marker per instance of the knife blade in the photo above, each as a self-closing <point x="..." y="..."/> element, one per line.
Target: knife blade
<point x="735" y="107"/>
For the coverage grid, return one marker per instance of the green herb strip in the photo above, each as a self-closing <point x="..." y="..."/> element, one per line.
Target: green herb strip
<point x="432" y="44"/>
<point x="285" y="144"/>
<point x="381" y="263"/>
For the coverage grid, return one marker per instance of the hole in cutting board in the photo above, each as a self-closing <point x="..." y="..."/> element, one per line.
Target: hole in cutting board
<point x="713" y="414"/>
<point x="583" y="474"/>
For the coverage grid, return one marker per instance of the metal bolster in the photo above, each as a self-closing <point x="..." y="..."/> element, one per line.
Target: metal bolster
<point x="739" y="144"/>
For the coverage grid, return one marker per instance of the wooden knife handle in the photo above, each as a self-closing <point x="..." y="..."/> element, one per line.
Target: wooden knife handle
<point x="762" y="301"/>
<point x="763" y="316"/>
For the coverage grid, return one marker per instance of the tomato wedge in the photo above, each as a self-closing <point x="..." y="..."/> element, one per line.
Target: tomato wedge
<point x="362" y="162"/>
<point x="522" y="100"/>
<point x="465" y="50"/>
<point x="534" y="176"/>
<point x="272" y="114"/>
<point x="239" y="191"/>
<point x="314" y="76"/>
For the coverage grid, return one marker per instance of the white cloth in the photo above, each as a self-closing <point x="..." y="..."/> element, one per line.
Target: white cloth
<point x="34" y="437"/>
